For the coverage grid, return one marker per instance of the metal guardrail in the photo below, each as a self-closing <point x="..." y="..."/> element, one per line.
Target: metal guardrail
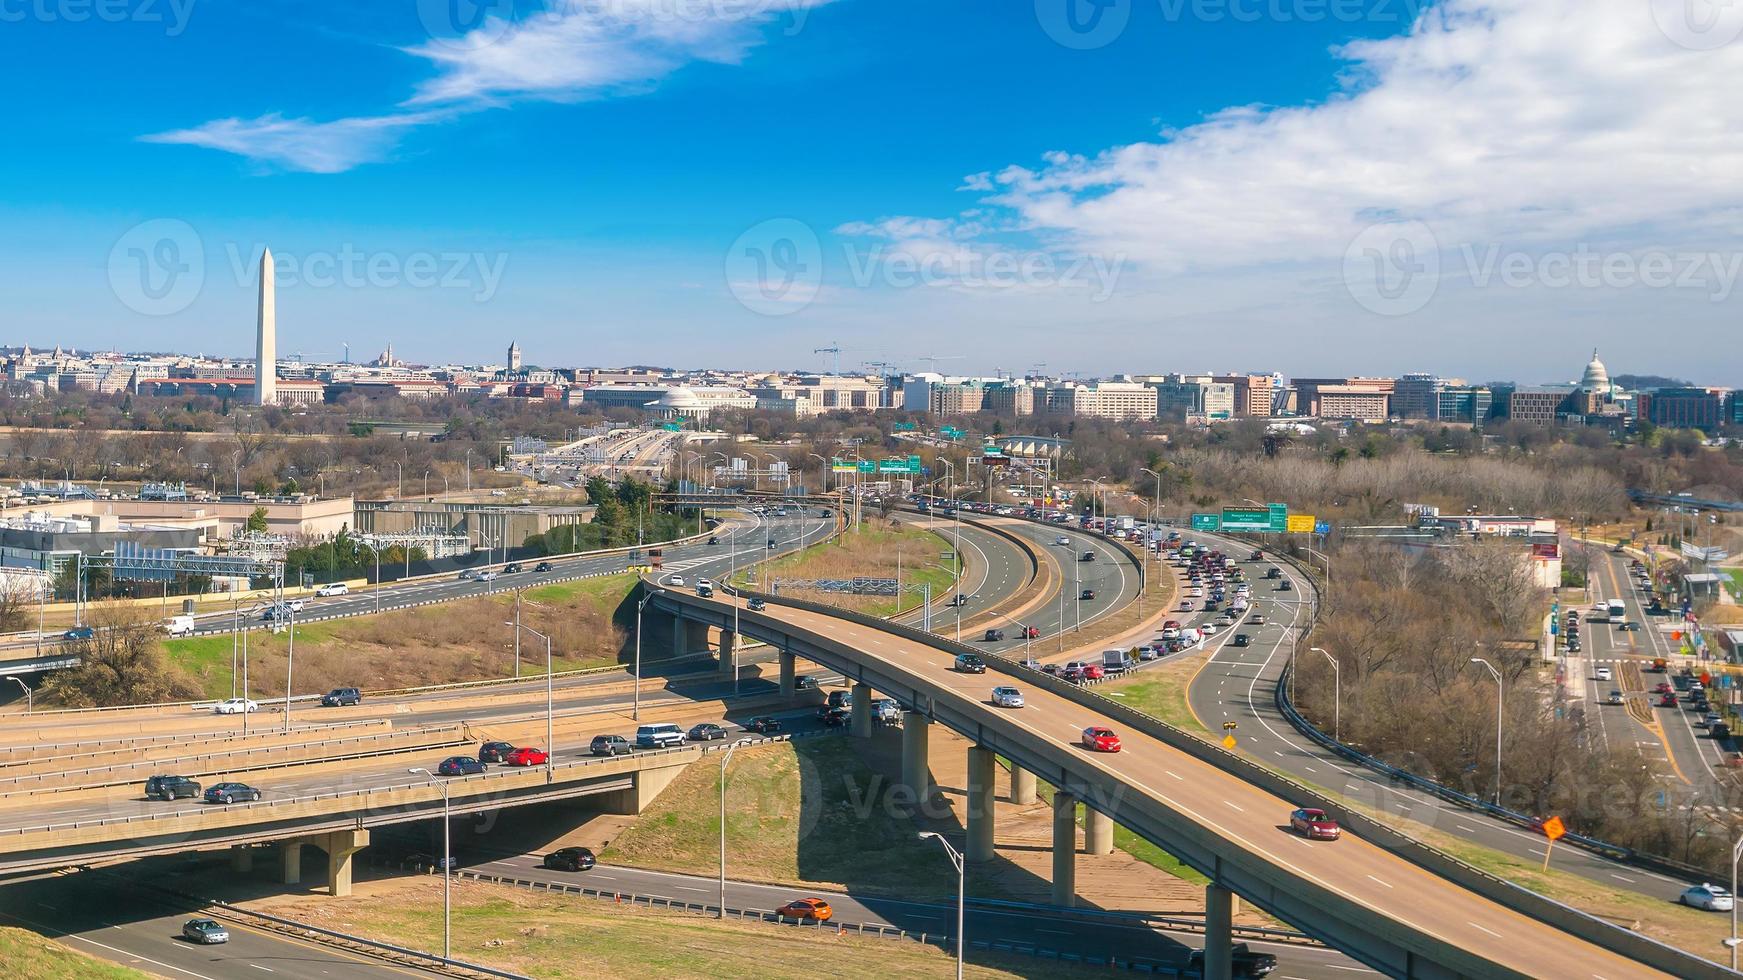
<point x="415" y="955"/>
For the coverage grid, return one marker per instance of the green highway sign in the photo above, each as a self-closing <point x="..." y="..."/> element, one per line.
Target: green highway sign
<point x="1206" y="522"/>
<point x="1245" y="519"/>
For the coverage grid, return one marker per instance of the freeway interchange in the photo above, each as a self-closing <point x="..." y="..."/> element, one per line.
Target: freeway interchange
<point x="1000" y="573"/>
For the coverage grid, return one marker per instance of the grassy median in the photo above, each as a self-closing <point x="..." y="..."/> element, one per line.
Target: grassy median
<point x="881" y="548"/>
<point x="27" y="954"/>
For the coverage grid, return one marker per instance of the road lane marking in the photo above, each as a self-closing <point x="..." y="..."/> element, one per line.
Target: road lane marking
<point x="1378" y="881"/>
<point x="1487" y="930"/>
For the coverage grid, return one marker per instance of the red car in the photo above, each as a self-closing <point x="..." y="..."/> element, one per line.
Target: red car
<point x="525" y="756"/>
<point x="815" y="909"/>
<point x="1031" y="633"/>
<point x="1314" y="825"/>
<point x="1101" y="739"/>
<point x="1663" y="688"/>
<point x="1667" y="699"/>
<point x="1093" y="672"/>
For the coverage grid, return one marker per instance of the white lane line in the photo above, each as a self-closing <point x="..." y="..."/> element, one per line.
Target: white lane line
<point x="1622" y="878"/>
<point x="1233" y="807"/>
<point x="1489" y="931"/>
<point x="1378" y="881"/>
<point x="257" y="966"/>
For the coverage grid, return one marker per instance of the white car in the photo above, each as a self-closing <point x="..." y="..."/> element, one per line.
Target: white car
<point x="703" y="581"/>
<point x="1007" y="697"/>
<point x="1603" y="673"/>
<point x="499" y="493"/>
<point x="675" y="580"/>
<point x="1713" y="898"/>
<point x="337" y="588"/>
<point x="235" y="706"/>
<point x="1062" y="541"/>
<point x="488" y="576"/>
<point x="295" y="605"/>
<point x="1209" y="628"/>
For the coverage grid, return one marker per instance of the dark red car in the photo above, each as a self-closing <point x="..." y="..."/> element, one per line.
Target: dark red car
<point x="1100" y="739"/>
<point x="526" y="756"/>
<point x="1031" y="633"/>
<point x="1314" y="824"/>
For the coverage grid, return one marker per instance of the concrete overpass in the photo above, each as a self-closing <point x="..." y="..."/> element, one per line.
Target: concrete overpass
<point x="1380" y="897"/>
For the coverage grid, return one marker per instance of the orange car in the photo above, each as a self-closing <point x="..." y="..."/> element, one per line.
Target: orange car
<point x="814" y="909"/>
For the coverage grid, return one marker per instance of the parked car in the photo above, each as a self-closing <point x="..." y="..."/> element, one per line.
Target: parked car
<point x="339" y="697"/>
<point x="757" y="605"/>
<point x="494" y="751"/>
<point x="460" y="765"/>
<point x="1314" y="824"/>
<point x="659" y="735"/>
<point x="79" y="633"/>
<point x="526" y="756"/>
<point x="1005" y="696"/>
<point x="968" y="663"/>
<point x="171" y="788"/>
<point x="206" y="932"/>
<point x="232" y="793"/>
<point x="1243" y="962"/>
<point x="1100" y="739"/>
<point x="610" y="745"/>
<point x="1713" y="898"/>
<point x="806" y="910"/>
<point x="763" y="725"/>
<point x="333" y="589"/>
<point x="235" y="706"/>
<point x="570" y="859"/>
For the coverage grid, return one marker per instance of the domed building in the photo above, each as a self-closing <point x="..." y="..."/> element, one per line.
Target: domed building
<point x="1597" y="397"/>
<point x="1597" y="377"/>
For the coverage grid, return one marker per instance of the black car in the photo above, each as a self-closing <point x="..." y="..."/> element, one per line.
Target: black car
<point x="1284" y="586"/>
<point x="1242" y="639"/>
<point x="543" y="566"/>
<point x="757" y="605"/>
<point x="1086" y="595"/>
<point x="970" y="664"/>
<point x="1243" y="961"/>
<point x="339" y="697"/>
<point x="1719" y="730"/>
<point x="494" y="751"/>
<point x="836" y="717"/>
<point x="705" y="732"/>
<point x="1255" y="556"/>
<point x="993" y="636"/>
<point x="1273" y="572"/>
<point x="171" y="788"/>
<point x="610" y="745"/>
<point x="232" y="793"/>
<point x="804" y="682"/>
<point x="570" y="859"/>
<point x="763" y="725"/>
<point x="460" y="765"/>
<point x="957" y="600"/>
<point x="713" y="540"/>
<point x="1087" y="556"/>
<point x="511" y="568"/>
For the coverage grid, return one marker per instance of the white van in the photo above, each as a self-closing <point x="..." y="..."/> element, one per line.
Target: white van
<point x="179" y="625"/>
<point x="659" y="736"/>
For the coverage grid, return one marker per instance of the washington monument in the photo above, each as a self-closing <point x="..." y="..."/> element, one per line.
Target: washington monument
<point x="266" y="340"/>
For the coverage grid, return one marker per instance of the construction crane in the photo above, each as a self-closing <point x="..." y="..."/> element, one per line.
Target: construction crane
<point x="833" y="348"/>
<point x="933" y="359"/>
<point x="883" y="368"/>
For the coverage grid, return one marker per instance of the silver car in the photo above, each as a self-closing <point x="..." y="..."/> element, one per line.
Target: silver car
<point x="1005" y="696"/>
<point x="205" y="932"/>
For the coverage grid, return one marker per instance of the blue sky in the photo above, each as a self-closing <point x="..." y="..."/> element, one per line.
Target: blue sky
<point x="736" y="182"/>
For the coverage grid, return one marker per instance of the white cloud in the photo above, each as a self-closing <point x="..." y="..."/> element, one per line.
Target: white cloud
<point x="575" y="50"/>
<point x="1519" y="121"/>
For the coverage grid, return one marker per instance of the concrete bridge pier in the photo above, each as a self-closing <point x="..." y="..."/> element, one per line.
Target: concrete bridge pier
<point x="788" y="666"/>
<point x="1064" y="849"/>
<point x="860" y="718"/>
<point x="341" y="846"/>
<point x="728" y="653"/>
<point x="916" y="765"/>
<point x="981" y="766"/>
<point x="290" y="853"/>
<point x="1022" y="786"/>
<point x="1218" y="915"/>
<point x="241" y="858"/>
<point x="1098" y="832"/>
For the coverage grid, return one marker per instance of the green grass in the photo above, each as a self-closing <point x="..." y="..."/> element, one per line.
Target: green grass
<point x="27" y="954"/>
<point x="1161" y="694"/>
<point x="871" y="552"/>
<point x="603" y="593"/>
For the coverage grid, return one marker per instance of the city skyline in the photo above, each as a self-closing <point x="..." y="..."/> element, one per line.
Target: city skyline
<point x="1376" y="191"/>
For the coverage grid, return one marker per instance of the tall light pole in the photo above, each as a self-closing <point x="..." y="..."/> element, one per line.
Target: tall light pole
<point x="1337" y="688"/>
<point x="961" y="892"/>
<point x="725" y="758"/>
<point x="377" y="552"/>
<point x="550" y="691"/>
<point x="1732" y="941"/>
<point x="29" y="706"/>
<point x="290" y="661"/>
<point x="636" y="711"/>
<point x="1155" y="522"/>
<point x="1500" y="691"/>
<point x="447" y="872"/>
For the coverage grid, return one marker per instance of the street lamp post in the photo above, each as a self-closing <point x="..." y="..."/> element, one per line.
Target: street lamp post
<point x="961" y="891"/>
<point x="725" y="758"/>
<point x="1337" y="694"/>
<point x="1736" y="852"/>
<point x="636" y="710"/>
<point x="290" y="660"/>
<point x="29" y="706"/>
<point x="1500" y="700"/>
<point x="550" y="690"/>
<point x="447" y="872"/>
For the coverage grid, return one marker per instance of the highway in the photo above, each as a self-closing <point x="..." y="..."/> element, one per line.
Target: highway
<point x="1238" y="684"/>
